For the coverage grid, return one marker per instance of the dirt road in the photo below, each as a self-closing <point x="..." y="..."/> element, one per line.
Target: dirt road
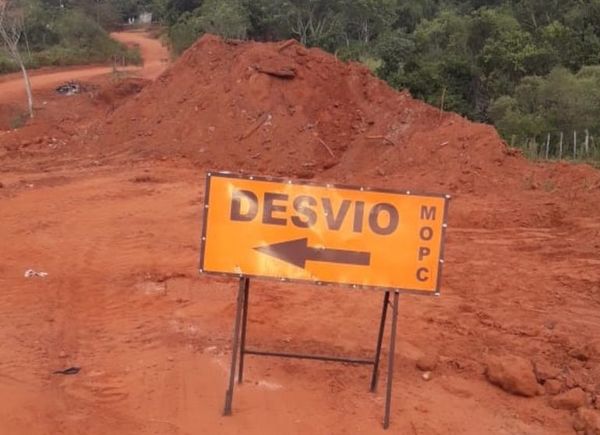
<point x="123" y="301"/>
<point x="154" y="55"/>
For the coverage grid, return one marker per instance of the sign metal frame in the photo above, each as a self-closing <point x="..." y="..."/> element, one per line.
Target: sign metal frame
<point x="239" y="349"/>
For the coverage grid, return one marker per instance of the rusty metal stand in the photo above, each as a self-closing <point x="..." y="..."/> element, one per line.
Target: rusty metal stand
<point x="391" y="354"/>
<point x="239" y="345"/>
<point x="244" y="323"/>
<point x="244" y="283"/>
<point x="375" y="375"/>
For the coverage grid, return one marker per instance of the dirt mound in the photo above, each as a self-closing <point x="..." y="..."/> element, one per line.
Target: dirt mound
<point x="112" y="95"/>
<point x="283" y="109"/>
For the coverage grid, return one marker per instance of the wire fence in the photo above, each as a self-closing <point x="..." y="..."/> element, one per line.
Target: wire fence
<point x="574" y="145"/>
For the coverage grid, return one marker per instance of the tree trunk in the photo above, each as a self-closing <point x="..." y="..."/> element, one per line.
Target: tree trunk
<point x="442" y="102"/>
<point x="587" y="142"/>
<point x="547" y="146"/>
<point x="27" y="86"/>
<point x="560" y="148"/>
<point x="27" y="45"/>
<point x="574" y="144"/>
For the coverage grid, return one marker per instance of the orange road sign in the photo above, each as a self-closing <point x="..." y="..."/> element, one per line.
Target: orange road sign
<point x="325" y="234"/>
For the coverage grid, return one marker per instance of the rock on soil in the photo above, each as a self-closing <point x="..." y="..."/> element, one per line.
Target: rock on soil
<point x="553" y="386"/>
<point x="571" y="399"/>
<point x="591" y="350"/>
<point x="545" y="371"/>
<point x="587" y="421"/>
<point x="582" y="353"/>
<point x="427" y="362"/>
<point x="513" y="374"/>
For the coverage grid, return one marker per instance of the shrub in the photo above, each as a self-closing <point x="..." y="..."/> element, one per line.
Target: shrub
<point x="7" y="65"/>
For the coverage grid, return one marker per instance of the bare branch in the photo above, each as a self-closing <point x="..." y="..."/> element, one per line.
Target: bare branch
<point x="11" y="29"/>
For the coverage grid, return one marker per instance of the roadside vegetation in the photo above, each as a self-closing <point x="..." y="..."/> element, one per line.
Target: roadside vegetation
<point x="59" y="33"/>
<point x="530" y="67"/>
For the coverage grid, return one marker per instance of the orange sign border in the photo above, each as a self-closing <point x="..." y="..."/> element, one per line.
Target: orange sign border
<point x="225" y="174"/>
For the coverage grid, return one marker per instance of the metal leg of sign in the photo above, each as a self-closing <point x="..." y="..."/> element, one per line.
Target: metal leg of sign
<point x="244" y="325"/>
<point x="375" y="375"/>
<point x="388" y="393"/>
<point x="235" y="346"/>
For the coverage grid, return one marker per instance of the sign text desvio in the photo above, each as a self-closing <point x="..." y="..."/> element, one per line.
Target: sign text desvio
<point x="267" y="227"/>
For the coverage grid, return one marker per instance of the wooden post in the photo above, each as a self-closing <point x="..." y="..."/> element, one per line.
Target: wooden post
<point x="547" y="145"/>
<point x="560" y="148"/>
<point x="442" y="102"/>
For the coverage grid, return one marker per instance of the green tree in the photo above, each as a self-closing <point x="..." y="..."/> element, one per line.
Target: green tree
<point x="560" y="102"/>
<point x="317" y="22"/>
<point x="227" y="18"/>
<point x="269" y="19"/>
<point x="364" y="20"/>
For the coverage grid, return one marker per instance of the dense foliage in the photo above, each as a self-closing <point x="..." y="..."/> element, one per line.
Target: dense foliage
<point x="60" y="32"/>
<point x="525" y="65"/>
<point x="531" y="67"/>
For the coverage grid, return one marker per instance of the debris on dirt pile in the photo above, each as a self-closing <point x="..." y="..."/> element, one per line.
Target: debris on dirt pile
<point x="270" y="107"/>
<point x="68" y="89"/>
<point x="73" y="88"/>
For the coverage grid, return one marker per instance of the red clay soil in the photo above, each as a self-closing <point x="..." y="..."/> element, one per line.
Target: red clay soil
<point x="113" y="215"/>
<point x="224" y="105"/>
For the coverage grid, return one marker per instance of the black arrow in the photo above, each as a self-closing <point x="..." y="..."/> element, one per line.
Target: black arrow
<point x="297" y="252"/>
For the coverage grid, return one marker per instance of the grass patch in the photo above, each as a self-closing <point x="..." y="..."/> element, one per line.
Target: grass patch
<point x="19" y="120"/>
<point x="6" y="64"/>
<point x="65" y="56"/>
<point x="372" y="63"/>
